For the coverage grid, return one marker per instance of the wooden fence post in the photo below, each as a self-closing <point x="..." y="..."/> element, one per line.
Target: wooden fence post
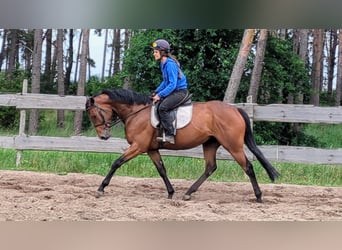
<point x="22" y="124"/>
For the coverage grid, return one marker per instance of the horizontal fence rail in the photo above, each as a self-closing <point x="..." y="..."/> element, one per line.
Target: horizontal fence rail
<point x="117" y="145"/>
<point x="275" y="112"/>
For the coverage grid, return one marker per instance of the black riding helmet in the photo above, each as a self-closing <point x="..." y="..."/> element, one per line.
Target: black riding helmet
<point x="161" y="45"/>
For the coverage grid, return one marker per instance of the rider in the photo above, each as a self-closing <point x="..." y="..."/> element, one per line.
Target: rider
<point x="171" y="90"/>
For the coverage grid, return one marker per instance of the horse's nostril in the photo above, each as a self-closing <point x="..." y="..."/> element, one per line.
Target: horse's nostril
<point x="104" y="137"/>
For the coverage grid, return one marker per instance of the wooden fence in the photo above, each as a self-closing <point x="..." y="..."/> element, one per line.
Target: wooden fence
<point x="275" y="112"/>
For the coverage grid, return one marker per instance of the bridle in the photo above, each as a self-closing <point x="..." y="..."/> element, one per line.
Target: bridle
<point x="115" y="119"/>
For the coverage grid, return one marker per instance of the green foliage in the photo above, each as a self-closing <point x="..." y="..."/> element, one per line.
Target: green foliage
<point x="206" y="57"/>
<point x="9" y="116"/>
<point x="276" y="133"/>
<point x="284" y="74"/>
<point x="139" y="65"/>
<point x="95" y="85"/>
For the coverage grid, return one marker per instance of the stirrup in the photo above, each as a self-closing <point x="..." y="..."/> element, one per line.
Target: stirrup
<point x="166" y="138"/>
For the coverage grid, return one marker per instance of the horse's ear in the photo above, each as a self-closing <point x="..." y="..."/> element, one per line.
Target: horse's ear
<point x="90" y="102"/>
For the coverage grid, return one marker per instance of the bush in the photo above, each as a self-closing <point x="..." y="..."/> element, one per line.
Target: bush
<point x="9" y="116"/>
<point x="276" y="133"/>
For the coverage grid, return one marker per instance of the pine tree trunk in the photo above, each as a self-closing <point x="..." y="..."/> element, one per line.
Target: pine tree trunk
<point x="82" y="79"/>
<point x="104" y="55"/>
<point x="239" y="66"/>
<point x="258" y="65"/>
<point x="60" y="75"/>
<point x="3" y="46"/>
<point x="331" y="61"/>
<point x="27" y="49"/>
<point x="78" y="57"/>
<point x="48" y="55"/>
<point x="339" y="71"/>
<point x="13" y="50"/>
<point x="111" y="55"/>
<point x="127" y="82"/>
<point x="303" y="55"/>
<point x="36" y="69"/>
<point x="70" y="61"/>
<point x="117" y="49"/>
<point x="317" y="63"/>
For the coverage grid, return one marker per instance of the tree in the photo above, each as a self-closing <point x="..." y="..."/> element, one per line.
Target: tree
<point x="78" y="57"/>
<point x="12" y="50"/>
<point x="60" y="75"/>
<point x="48" y="56"/>
<point x="117" y="50"/>
<point x="332" y="45"/>
<point x="82" y="79"/>
<point x="128" y="33"/>
<point x="239" y="66"/>
<point x="111" y="59"/>
<point x="69" y="61"/>
<point x="317" y="66"/>
<point x="104" y="55"/>
<point x="258" y="65"/>
<point x="3" y="48"/>
<point x="300" y="47"/>
<point x="26" y="41"/>
<point x="339" y="71"/>
<point x="36" y="72"/>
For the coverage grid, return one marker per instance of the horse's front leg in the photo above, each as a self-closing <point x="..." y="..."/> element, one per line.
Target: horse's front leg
<point x="130" y="153"/>
<point x="158" y="162"/>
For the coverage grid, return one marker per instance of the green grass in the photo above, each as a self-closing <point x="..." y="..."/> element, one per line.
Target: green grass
<point x="329" y="135"/>
<point x="177" y="167"/>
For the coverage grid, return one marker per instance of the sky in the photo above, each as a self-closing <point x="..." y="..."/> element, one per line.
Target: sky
<point x="96" y="46"/>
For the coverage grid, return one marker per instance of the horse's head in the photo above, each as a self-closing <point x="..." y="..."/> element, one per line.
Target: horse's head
<point x="101" y="115"/>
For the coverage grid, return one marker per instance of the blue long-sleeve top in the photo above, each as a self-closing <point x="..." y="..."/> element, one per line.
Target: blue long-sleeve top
<point x="173" y="78"/>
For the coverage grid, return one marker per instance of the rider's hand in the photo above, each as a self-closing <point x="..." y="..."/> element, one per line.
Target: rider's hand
<point x="155" y="98"/>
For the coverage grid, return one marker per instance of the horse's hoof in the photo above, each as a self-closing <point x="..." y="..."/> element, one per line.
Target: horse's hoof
<point x="98" y="194"/>
<point x="259" y="200"/>
<point x="187" y="197"/>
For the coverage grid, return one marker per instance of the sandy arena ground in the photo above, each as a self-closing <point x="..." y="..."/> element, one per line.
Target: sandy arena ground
<point x="30" y="196"/>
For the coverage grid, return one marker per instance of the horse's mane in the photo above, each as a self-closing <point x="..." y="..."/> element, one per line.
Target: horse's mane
<point x="127" y="96"/>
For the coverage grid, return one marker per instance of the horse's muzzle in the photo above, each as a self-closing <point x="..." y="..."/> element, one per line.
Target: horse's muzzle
<point x="104" y="137"/>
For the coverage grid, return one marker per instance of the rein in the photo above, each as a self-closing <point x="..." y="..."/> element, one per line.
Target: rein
<point x="134" y="113"/>
<point x="116" y="120"/>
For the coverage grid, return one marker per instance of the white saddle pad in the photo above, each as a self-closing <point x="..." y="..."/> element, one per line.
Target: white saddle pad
<point x="183" y="116"/>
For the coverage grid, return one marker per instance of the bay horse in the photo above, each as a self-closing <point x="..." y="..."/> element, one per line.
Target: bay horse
<point x="213" y="124"/>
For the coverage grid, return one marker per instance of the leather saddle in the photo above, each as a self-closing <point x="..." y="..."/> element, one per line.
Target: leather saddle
<point x="181" y="115"/>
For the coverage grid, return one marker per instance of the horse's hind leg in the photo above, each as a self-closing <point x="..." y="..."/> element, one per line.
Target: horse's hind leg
<point x="241" y="158"/>
<point x="209" y="150"/>
<point x="158" y="162"/>
<point x="251" y="174"/>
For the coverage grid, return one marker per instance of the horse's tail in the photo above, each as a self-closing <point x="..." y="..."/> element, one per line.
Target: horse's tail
<point x="252" y="146"/>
